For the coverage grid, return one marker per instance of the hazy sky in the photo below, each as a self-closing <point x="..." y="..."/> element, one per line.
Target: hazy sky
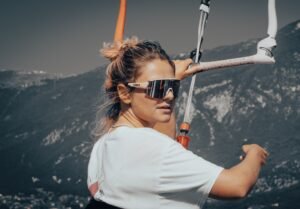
<point x="64" y="36"/>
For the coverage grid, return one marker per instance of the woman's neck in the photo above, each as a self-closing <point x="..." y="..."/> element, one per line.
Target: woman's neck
<point x="127" y="117"/>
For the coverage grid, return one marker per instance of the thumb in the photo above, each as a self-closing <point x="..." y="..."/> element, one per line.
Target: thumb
<point x="188" y="61"/>
<point x="193" y="68"/>
<point x="245" y="148"/>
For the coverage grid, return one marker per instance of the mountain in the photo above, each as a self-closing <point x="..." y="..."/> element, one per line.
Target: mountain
<point x="21" y="79"/>
<point x="45" y="125"/>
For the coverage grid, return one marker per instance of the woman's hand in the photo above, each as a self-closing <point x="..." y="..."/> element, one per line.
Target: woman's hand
<point x="182" y="69"/>
<point x="257" y="150"/>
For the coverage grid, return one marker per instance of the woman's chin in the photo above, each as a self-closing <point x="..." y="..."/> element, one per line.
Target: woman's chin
<point x="164" y="118"/>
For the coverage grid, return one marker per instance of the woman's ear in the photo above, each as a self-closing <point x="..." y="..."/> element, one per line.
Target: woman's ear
<point x="123" y="93"/>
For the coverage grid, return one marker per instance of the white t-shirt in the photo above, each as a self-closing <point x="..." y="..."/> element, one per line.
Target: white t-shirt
<point x="141" y="168"/>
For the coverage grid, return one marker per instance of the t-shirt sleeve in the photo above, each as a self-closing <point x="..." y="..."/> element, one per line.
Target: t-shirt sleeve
<point x="94" y="169"/>
<point x="183" y="172"/>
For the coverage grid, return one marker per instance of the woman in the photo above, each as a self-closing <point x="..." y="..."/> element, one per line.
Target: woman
<point x="135" y="166"/>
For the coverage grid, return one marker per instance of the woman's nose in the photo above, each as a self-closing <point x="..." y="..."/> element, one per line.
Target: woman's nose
<point x="169" y="95"/>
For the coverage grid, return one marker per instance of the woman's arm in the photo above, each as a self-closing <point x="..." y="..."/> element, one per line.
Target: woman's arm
<point x="237" y="181"/>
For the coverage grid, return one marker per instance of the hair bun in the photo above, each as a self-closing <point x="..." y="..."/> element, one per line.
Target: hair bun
<point x="113" y="50"/>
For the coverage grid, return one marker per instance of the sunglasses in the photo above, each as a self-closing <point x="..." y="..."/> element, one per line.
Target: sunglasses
<point x="158" y="89"/>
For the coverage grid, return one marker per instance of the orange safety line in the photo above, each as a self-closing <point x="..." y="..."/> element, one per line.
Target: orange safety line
<point x="119" y="32"/>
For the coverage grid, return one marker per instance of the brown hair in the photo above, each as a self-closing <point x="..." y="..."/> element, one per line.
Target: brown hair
<point x="126" y="60"/>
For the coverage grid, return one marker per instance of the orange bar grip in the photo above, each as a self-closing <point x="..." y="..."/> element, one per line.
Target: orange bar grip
<point x="119" y="32"/>
<point x="183" y="140"/>
<point x="185" y="127"/>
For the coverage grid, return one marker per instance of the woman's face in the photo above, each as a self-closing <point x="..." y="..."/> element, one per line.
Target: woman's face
<point x="145" y="108"/>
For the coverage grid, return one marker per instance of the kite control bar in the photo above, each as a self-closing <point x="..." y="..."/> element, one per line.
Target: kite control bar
<point x="264" y="55"/>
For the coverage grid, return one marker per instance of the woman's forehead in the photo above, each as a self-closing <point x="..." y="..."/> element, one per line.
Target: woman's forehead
<point x="155" y="69"/>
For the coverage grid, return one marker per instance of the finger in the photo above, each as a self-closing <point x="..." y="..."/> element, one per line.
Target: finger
<point x="265" y="160"/>
<point x="245" y="148"/>
<point x="189" y="61"/>
<point x="266" y="152"/>
<point x="186" y="63"/>
<point x="175" y="62"/>
<point x="193" y="68"/>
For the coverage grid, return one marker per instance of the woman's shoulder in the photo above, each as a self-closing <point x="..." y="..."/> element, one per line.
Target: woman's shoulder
<point x="139" y="131"/>
<point x="140" y="134"/>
